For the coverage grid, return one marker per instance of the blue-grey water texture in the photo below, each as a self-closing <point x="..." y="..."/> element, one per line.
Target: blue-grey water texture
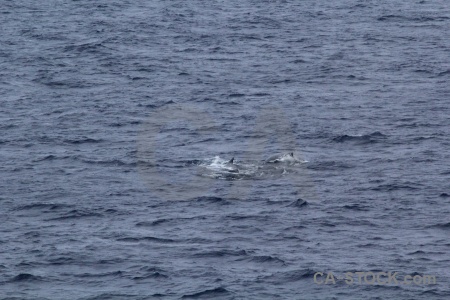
<point x="118" y="119"/>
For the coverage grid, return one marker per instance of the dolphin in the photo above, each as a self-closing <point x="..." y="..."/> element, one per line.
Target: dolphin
<point x="281" y="158"/>
<point x="231" y="167"/>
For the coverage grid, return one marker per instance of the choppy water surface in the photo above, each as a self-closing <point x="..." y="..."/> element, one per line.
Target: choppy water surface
<point x="118" y="120"/>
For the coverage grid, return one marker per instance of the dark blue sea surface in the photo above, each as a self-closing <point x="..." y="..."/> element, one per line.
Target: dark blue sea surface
<point x="118" y="121"/>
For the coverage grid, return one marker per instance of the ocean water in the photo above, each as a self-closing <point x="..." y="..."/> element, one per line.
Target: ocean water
<point x="118" y="120"/>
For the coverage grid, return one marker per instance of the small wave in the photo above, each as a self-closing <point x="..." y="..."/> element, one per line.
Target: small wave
<point x="329" y="165"/>
<point x="25" y="277"/>
<point x="327" y="224"/>
<point x="236" y="95"/>
<point x="198" y="240"/>
<point x="87" y="47"/>
<point x="422" y="138"/>
<point x="156" y="105"/>
<point x="298" y="203"/>
<point x="152" y="223"/>
<point x="49" y="206"/>
<point x="291" y="276"/>
<point x="295" y="228"/>
<point x="62" y="260"/>
<point x="390" y="17"/>
<point x="367" y="138"/>
<point x="7" y="126"/>
<point x="229" y="103"/>
<point x="154" y="275"/>
<point x="423" y="71"/>
<point x="112" y="162"/>
<point x="435" y="292"/>
<point x="47" y="157"/>
<point x="356" y="207"/>
<point x="441" y="226"/>
<point x="148" y="269"/>
<point x="238" y="217"/>
<point x="65" y="83"/>
<point x="207" y="294"/>
<point x="191" y="162"/>
<point x="100" y="275"/>
<point x="112" y="211"/>
<point x="411" y="18"/>
<point x="76" y="214"/>
<point x="135" y="78"/>
<point x="222" y="253"/>
<point x="444" y="73"/>
<point x="151" y="273"/>
<point x="261" y="94"/>
<point x="265" y="259"/>
<point x="112" y="296"/>
<point x="145" y="238"/>
<point x="367" y="245"/>
<point x="299" y="275"/>
<point x="83" y="141"/>
<point x="394" y="187"/>
<point x="164" y="221"/>
<point x="425" y="254"/>
<point x="211" y="199"/>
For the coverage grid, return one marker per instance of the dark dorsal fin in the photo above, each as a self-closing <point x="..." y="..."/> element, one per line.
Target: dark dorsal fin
<point x="231" y="161"/>
<point x="292" y="154"/>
